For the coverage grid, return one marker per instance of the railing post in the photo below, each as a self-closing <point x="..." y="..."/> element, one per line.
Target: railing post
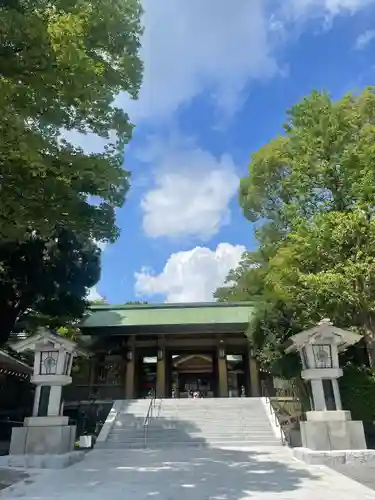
<point x="148" y="417"/>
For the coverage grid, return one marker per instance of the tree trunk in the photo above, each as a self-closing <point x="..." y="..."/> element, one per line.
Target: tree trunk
<point x="370" y="345"/>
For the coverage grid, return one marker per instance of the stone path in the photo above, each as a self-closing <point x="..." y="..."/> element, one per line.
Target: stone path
<point x="363" y="473"/>
<point x="190" y="474"/>
<point x="11" y="476"/>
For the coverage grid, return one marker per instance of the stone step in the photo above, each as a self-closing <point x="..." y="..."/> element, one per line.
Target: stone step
<point x="205" y="413"/>
<point x="192" y="428"/>
<point x="162" y="423"/>
<point x="187" y="423"/>
<point x="183" y="437"/>
<point x="194" y="431"/>
<point x="194" y="444"/>
<point x="176" y="439"/>
<point x="238" y="414"/>
<point x="204" y="418"/>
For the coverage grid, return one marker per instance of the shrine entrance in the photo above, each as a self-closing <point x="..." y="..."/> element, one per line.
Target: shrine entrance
<point x="169" y="349"/>
<point x="192" y="372"/>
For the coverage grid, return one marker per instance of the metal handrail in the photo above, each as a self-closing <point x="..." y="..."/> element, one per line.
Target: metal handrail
<point x="149" y="415"/>
<point x="265" y="393"/>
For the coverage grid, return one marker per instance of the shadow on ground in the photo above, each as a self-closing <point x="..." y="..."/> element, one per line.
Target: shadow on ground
<point x="11" y="476"/>
<point x="172" y="473"/>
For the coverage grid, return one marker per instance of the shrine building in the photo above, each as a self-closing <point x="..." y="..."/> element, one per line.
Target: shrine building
<point x="169" y="348"/>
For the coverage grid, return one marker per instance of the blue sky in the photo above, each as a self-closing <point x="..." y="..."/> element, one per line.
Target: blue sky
<point x="218" y="79"/>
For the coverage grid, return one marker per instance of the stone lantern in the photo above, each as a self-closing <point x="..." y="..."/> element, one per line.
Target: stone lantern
<point x="47" y="431"/>
<point x="327" y="426"/>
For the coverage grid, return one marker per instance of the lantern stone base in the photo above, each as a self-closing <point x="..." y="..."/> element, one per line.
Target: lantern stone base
<point x="42" y="461"/>
<point x="43" y="435"/>
<point x="332" y="430"/>
<point x="46" y="421"/>
<point x="331" y="458"/>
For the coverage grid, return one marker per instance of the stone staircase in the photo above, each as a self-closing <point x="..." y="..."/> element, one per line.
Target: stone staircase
<point x="231" y="422"/>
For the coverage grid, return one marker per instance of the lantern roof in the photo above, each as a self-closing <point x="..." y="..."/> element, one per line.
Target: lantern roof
<point x="323" y="333"/>
<point x="46" y="338"/>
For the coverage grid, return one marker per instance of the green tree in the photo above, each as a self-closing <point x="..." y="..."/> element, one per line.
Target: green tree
<point x="46" y="281"/>
<point x="326" y="267"/>
<point x="135" y="303"/>
<point x="357" y="388"/>
<point x="272" y="322"/>
<point x="97" y="302"/>
<point x="311" y="191"/>
<point x="62" y="63"/>
<point x="323" y="162"/>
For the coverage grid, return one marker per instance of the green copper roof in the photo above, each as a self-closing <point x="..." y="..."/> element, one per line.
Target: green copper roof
<point x="102" y="316"/>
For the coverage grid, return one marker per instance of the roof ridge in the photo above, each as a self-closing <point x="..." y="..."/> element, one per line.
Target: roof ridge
<point x="169" y="305"/>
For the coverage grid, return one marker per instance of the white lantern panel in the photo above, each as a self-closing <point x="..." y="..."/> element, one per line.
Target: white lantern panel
<point x="68" y="357"/>
<point x="322" y="355"/>
<point x="48" y="362"/>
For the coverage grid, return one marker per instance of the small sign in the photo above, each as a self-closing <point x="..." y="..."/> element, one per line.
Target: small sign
<point x="85" y="441"/>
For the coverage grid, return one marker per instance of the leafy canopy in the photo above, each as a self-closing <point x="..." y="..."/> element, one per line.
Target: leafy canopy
<point x="323" y="162"/>
<point x="62" y="63"/>
<point x="311" y="192"/>
<point x="46" y="281"/>
<point x="326" y="267"/>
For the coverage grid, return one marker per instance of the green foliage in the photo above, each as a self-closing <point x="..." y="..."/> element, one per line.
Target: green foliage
<point x="71" y="332"/>
<point x="62" y="63"/>
<point x="135" y="303"/>
<point x="312" y="193"/>
<point x="357" y="388"/>
<point x="269" y="329"/>
<point x="326" y="267"/>
<point x="97" y="302"/>
<point x="272" y="322"/>
<point x="324" y="162"/>
<point x="45" y="281"/>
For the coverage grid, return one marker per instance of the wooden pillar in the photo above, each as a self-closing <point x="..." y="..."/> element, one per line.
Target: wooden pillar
<point x="254" y="377"/>
<point x="130" y="368"/>
<point x="93" y="375"/>
<point x="161" y="372"/>
<point x="222" y="371"/>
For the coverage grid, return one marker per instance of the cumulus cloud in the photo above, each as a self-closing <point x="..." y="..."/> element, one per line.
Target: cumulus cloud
<point x="190" y="276"/>
<point x="89" y="142"/>
<point x="191" y="192"/>
<point x="216" y="46"/>
<point x="192" y="46"/>
<point x="330" y="6"/>
<point x="93" y="295"/>
<point x="364" y="39"/>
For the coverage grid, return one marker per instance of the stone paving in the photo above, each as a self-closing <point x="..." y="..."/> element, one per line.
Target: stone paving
<point x="363" y="473"/>
<point x="190" y="474"/>
<point x="11" y="476"/>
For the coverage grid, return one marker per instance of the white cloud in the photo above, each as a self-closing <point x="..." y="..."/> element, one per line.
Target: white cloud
<point x="364" y="39"/>
<point x="217" y="46"/>
<point x="191" y="276"/>
<point x="89" y="142"/>
<point x="191" y="193"/>
<point x="192" y="46"/>
<point x="331" y="6"/>
<point x="101" y="244"/>
<point x="93" y="294"/>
